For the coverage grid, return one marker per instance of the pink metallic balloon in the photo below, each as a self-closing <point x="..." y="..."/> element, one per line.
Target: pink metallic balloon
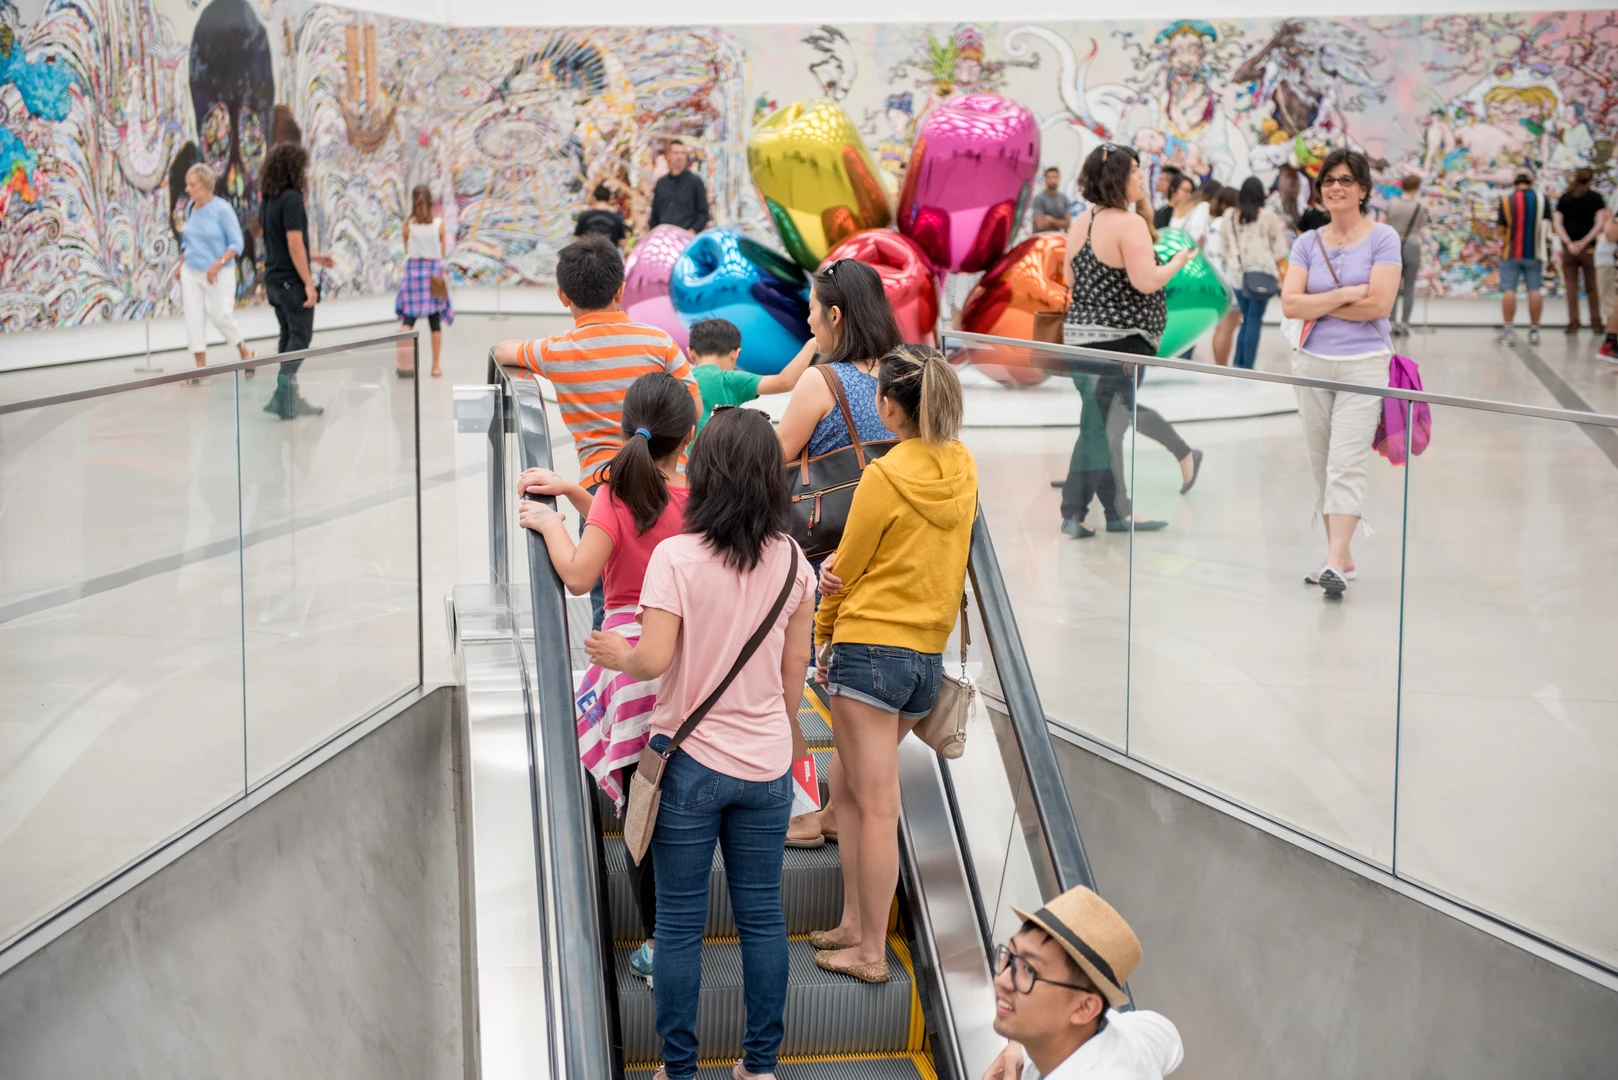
<point x="971" y="173"/>
<point x="910" y="285"/>
<point x="1029" y="279"/>
<point x="646" y="280"/>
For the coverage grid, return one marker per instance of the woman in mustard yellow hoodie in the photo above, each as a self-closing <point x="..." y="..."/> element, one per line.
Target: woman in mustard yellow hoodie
<point x="891" y="594"/>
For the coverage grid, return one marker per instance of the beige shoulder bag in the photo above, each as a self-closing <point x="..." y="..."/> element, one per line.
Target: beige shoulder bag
<point x="646" y="786"/>
<point x="944" y="728"/>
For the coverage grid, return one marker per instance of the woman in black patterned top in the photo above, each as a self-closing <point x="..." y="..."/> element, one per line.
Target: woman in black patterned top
<point x="1117" y="305"/>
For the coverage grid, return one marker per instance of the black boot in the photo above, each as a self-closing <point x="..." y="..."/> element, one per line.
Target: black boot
<point x="274" y="406"/>
<point x="296" y="405"/>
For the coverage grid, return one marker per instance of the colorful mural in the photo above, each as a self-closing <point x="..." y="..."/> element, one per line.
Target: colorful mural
<point x="103" y="104"/>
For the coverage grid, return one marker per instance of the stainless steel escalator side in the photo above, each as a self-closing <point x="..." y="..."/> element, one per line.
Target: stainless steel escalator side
<point x="1049" y="828"/>
<point x="583" y="1016"/>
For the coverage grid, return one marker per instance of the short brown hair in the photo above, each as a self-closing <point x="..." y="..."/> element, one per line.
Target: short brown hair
<point x="1104" y="179"/>
<point x="1583" y="177"/>
<point x="1412" y="183"/>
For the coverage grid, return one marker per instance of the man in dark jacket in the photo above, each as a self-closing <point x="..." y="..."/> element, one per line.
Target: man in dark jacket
<point x="680" y="198"/>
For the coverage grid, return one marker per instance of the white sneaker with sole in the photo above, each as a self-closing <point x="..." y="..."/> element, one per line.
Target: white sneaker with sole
<point x="1313" y="576"/>
<point x="1332" y="582"/>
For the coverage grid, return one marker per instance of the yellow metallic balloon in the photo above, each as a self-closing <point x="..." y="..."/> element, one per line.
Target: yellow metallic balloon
<point x="816" y="178"/>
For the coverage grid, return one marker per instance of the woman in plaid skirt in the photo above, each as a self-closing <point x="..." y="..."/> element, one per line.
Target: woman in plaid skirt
<point x="424" y="262"/>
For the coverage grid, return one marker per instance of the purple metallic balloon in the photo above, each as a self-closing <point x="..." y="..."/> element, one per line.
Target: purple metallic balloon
<point x="971" y="174"/>
<point x="646" y="280"/>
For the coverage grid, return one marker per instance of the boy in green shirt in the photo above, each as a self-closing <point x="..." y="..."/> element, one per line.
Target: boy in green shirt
<point x="715" y="345"/>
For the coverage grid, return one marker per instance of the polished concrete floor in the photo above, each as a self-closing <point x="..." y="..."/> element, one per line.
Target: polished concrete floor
<point x="1452" y="718"/>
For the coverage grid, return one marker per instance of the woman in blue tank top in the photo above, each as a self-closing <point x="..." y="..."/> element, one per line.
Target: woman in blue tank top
<point x="854" y="328"/>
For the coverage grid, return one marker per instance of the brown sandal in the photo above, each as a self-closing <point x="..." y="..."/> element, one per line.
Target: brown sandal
<point x="874" y="972"/>
<point x="823" y="940"/>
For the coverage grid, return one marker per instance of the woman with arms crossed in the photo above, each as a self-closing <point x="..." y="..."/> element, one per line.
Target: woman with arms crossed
<point x="1343" y="278"/>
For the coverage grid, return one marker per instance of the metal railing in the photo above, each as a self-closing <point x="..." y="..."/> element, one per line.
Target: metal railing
<point x="583" y="1018"/>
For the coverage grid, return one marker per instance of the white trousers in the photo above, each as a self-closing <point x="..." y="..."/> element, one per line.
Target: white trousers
<point x="206" y="303"/>
<point x="1338" y="427"/>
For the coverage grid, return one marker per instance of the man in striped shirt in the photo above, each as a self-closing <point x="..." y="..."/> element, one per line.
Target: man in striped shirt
<point x="592" y="365"/>
<point x="1524" y="240"/>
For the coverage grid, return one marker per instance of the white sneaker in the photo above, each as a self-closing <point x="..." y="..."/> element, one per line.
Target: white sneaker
<point x="1313" y="576"/>
<point x="1332" y="582"/>
<point x="1533" y="335"/>
<point x="1505" y="334"/>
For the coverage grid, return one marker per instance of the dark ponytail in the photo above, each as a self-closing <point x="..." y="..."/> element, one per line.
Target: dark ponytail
<point x="920" y="381"/>
<point x="658" y="415"/>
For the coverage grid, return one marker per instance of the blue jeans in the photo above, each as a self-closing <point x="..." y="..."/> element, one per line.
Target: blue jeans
<point x="887" y="677"/>
<point x="1252" y="308"/>
<point x="748" y="819"/>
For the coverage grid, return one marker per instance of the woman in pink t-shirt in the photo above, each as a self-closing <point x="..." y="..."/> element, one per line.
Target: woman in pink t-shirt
<point x="641" y="504"/>
<point x="707" y="592"/>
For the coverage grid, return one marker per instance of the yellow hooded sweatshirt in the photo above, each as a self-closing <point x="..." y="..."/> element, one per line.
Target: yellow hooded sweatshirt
<point x="902" y="559"/>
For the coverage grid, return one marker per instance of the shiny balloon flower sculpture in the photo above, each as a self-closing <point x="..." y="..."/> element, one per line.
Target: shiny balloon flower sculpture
<point x="647" y="272"/>
<point x="816" y="178"/>
<point x="907" y="280"/>
<point x="1197" y="297"/>
<point x="725" y="275"/>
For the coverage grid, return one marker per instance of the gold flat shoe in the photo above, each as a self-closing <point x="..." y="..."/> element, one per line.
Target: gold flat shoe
<point x="823" y="941"/>
<point x="875" y="972"/>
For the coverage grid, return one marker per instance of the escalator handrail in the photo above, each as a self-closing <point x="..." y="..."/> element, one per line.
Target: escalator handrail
<point x="585" y="1024"/>
<point x="1064" y="847"/>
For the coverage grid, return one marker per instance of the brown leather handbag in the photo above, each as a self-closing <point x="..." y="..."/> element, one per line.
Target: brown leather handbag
<point x="438" y="287"/>
<point x="822" y="488"/>
<point x="646" y="786"/>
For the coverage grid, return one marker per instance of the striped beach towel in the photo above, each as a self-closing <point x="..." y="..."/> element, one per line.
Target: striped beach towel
<point x="614" y="711"/>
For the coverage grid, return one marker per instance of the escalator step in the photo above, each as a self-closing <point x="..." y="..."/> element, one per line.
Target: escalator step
<point x="825" y="1014"/>
<point x="815" y="720"/>
<point x="907" y="1067"/>
<point x="811" y="892"/>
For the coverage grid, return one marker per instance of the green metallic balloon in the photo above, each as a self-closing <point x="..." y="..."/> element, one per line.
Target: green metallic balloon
<point x="1197" y="297"/>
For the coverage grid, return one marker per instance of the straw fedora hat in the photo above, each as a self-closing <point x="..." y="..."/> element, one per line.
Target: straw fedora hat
<point x="1094" y="935"/>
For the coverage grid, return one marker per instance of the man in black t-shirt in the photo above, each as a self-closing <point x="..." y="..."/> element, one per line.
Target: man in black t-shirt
<point x="680" y="198"/>
<point x="602" y="217"/>
<point x="1580" y="217"/>
<point x="288" y="283"/>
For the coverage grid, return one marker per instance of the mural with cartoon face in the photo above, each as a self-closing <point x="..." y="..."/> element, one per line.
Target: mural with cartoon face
<point x="103" y="103"/>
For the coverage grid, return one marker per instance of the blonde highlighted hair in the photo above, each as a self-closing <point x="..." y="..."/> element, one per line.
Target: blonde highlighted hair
<point x="920" y="381"/>
<point x="204" y="172"/>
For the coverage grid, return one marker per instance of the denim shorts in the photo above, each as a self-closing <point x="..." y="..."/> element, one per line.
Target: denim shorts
<point x="1530" y="271"/>
<point x="886" y="677"/>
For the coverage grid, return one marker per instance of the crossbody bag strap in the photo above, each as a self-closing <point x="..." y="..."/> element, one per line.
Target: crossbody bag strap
<point x="1321" y="244"/>
<point x="836" y="384"/>
<point x="741" y="660"/>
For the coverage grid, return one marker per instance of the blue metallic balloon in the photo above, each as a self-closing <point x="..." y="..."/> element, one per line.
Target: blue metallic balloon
<point x="724" y="275"/>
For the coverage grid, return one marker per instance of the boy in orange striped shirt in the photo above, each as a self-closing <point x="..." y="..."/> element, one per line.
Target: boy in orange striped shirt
<point x="592" y="365"/>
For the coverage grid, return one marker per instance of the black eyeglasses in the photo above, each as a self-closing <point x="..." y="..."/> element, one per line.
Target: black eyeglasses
<point x="1023" y="976"/>
<point x="717" y="409"/>
<point x="1338" y="181"/>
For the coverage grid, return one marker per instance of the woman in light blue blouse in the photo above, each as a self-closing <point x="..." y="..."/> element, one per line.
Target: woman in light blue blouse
<point x="212" y="241"/>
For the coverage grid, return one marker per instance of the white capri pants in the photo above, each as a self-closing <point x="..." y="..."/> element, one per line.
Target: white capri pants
<point x="206" y="303"/>
<point x="1338" y="427"/>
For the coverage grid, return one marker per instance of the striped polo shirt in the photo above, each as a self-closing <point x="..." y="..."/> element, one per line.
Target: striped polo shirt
<point x="591" y="367"/>
<point x="1523" y="234"/>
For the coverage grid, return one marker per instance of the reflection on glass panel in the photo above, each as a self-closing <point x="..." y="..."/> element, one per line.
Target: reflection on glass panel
<point x="1070" y="594"/>
<point x="120" y="634"/>
<point x="1508" y="751"/>
<point x="330" y="559"/>
<point x="988" y="783"/>
<point x="1244" y="679"/>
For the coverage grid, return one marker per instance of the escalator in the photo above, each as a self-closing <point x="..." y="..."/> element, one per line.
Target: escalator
<point x="977" y="834"/>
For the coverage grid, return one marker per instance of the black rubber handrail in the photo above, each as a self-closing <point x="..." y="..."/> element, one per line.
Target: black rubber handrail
<point x="585" y="1023"/>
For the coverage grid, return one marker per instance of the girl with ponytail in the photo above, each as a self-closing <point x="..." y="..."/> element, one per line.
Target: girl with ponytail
<point x="641" y="503"/>
<point x="890" y="596"/>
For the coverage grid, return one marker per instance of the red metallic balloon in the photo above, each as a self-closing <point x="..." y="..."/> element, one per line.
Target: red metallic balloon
<point x="907" y="279"/>
<point x="1030" y="278"/>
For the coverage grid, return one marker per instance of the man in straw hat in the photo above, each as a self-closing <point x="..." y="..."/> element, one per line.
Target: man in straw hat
<point x="1057" y="989"/>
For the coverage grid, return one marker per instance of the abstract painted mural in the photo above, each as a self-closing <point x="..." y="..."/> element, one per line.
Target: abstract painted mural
<point x="105" y="103"/>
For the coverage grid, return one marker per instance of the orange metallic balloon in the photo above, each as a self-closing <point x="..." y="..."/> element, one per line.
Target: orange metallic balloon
<point x="907" y="279"/>
<point x="1029" y="278"/>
